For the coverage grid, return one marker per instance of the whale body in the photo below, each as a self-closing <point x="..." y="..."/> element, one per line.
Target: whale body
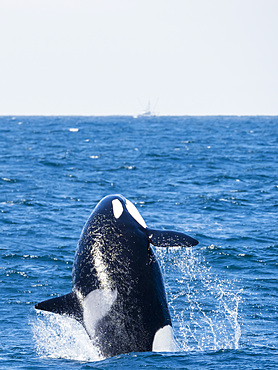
<point x="118" y="293"/>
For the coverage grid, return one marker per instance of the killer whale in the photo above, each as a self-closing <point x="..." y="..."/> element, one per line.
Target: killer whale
<point x="118" y="293"/>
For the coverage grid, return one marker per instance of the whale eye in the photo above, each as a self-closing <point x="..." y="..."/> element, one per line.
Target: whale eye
<point x="134" y="213"/>
<point x="117" y="208"/>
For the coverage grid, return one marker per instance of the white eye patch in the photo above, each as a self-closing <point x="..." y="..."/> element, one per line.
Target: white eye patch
<point x="134" y="213"/>
<point x="117" y="208"/>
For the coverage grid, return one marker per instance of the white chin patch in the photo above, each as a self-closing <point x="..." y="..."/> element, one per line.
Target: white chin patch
<point x="164" y="340"/>
<point x="134" y="213"/>
<point x="117" y="208"/>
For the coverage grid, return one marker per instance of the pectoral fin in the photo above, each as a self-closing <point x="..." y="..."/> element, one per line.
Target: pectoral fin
<point x="68" y="304"/>
<point x="166" y="238"/>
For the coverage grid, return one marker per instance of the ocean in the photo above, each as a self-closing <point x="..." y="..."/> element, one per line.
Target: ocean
<point x="214" y="178"/>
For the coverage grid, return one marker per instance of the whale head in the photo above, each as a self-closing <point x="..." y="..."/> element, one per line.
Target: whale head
<point x="119" y="210"/>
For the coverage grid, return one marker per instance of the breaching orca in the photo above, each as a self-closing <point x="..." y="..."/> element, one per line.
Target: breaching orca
<point x="118" y="292"/>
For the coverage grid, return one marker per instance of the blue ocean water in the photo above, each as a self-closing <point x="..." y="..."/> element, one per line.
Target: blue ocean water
<point x="214" y="178"/>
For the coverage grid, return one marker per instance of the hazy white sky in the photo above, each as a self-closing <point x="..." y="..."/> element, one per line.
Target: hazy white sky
<point x="112" y="56"/>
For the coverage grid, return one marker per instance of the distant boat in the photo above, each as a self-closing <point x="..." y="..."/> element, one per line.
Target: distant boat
<point x="147" y="112"/>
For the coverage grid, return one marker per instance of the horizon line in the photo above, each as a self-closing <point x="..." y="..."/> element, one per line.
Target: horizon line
<point x="135" y="116"/>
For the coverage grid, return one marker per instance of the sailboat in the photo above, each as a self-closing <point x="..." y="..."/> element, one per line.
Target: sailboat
<point x="147" y="112"/>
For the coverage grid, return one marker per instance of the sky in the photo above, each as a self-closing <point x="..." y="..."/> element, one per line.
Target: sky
<point x="106" y="57"/>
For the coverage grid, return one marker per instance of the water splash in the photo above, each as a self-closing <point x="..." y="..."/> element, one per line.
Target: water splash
<point x="57" y="336"/>
<point x="204" y="306"/>
<point x="204" y="309"/>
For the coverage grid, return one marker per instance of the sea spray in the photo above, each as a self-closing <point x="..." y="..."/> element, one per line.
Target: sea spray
<point x="59" y="336"/>
<point x="204" y="307"/>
